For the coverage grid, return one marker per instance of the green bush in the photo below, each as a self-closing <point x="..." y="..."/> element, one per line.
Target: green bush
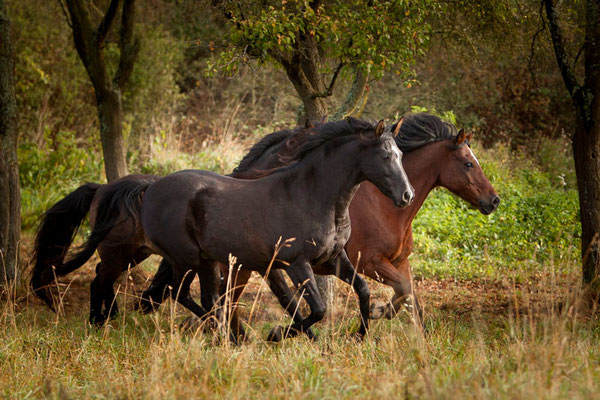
<point x="48" y="173"/>
<point x="537" y="224"/>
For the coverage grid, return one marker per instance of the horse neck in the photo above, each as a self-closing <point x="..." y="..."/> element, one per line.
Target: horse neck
<point x="330" y="177"/>
<point x="423" y="169"/>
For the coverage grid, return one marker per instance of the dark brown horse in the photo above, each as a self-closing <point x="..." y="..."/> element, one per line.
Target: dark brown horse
<point x="193" y="217"/>
<point x="435" y="154"/>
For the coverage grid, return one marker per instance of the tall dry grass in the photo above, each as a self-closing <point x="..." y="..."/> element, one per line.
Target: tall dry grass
<point x="535" y="342"/>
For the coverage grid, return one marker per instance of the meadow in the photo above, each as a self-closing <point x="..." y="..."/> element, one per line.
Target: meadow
<point x="503" y="306"/>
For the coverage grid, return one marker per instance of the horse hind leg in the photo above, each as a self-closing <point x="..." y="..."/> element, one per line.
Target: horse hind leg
<point x="103" y="303"/>
<point x="233" y="293"/>
<point x="158" y="291"/>
<point x="182" y="279"/>
<point x="102" y="296"/>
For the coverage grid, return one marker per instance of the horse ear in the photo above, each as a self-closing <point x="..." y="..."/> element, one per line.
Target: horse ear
<point x="396" y="128"/>
<point x="460" y="138"/>
<point x="379" y="128"/>
<point x="469" y="137"/>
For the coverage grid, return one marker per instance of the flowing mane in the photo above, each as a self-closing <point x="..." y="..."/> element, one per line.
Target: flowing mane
<point x="420" y="129"/>
<point x="328" y="132"/>
<point x="297" y="142"/>
<point x="261" y="147"/>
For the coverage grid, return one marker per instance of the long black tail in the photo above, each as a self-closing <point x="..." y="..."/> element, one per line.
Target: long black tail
<point x="120" y="200"/>
<point x="55" y="235"/>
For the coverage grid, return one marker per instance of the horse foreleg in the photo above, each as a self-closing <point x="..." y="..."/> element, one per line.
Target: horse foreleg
<point x="343" y="269"/>
<point x="400" y="279"/>
<point x="302" y="276"/>
<point x="279" y="287"/>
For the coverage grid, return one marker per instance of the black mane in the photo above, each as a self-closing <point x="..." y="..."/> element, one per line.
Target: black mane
<point x="259" y="148"/>
<point x="299" y="141"/>
<point x="328" y="132"/>
<point x="420" y="129"/>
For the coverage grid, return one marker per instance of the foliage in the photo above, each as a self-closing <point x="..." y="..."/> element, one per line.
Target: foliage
<point x="375" y="37"/>
<point x="50" y="172"/>
<point x="537" y="222"/>
<point x="484" y="64"/>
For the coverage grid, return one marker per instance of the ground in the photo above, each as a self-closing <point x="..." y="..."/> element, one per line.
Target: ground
<point x="498" y="339"/>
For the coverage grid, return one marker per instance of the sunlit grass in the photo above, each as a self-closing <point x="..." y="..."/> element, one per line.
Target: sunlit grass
<point x="532" y="341"/>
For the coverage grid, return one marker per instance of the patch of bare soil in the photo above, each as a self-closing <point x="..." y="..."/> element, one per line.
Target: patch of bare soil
<point x="541" y="294"/>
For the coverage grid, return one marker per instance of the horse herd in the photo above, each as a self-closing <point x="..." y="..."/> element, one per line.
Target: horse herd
<point x="342" y="190"/>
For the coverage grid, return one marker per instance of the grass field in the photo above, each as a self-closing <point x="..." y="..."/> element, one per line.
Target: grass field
<point x="487" y="339"/>
<point x="500" y="293"/>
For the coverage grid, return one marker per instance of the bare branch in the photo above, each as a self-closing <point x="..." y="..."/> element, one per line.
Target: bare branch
<point x="64" y="10"/>
<point x="107" y="21"/>
<point x="129" y="45"/>
<point x="533" y="40"/>
<point x="329" y="90"/>
<point x="558" y="41"/>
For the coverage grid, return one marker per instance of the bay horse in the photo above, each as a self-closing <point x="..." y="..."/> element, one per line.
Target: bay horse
<point x="190" y="217"/>
<point x="435" y="154"/>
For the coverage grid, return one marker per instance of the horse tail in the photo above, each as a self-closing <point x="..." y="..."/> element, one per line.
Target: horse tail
<point x="55" y="235"/>
<point x="121" y="198"/>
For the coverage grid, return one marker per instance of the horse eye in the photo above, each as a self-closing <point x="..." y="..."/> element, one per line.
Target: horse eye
<point x="469" y="165"/>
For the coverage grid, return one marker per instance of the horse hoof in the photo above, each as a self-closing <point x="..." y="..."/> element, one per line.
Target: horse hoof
<point x="276" y="334"/>
<point x="97" y="321"/>
<point x="357" y="337"/>
<point x="376" y="311"/>
<point x="190" y="324"/>
<point x="145" y="306"/>
<point x="311" y="335"/>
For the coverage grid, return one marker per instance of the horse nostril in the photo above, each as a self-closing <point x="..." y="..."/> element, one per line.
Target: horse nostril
<point x="407" y="196"/>
<point x="496" y="201"/>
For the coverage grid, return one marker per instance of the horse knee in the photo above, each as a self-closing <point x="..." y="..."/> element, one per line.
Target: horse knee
<point x="362" y="289"/>
<point x="318" y="312"/>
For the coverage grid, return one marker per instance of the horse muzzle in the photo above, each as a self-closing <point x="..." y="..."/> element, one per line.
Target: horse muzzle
<point x="488" y="207"/>
<point x="406" y="199"/>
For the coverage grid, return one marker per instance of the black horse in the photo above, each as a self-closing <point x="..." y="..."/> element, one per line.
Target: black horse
<point x="332" y="162"/>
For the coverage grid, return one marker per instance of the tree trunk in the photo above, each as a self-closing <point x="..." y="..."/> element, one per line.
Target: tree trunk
<point x="356" y="98"/>
<point x="10" y="201"/>
<point x="586" y="151"/>
<point x="111" y="123"/>
<point x="314" y="107"/>
<point x="586" y="139"/>
<point x="89" y="42"/>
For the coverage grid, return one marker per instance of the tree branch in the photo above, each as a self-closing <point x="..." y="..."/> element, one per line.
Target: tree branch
<point x="82" y="32"/>
<point x="129" y="45"/>
<point x="64" y="10"/>
<point x="355" y="100"/>
<point x="329" y="90"/>
<point x="535" y="35"/>
<point x="558" y="41"/>
<point x="107" y="21"/>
